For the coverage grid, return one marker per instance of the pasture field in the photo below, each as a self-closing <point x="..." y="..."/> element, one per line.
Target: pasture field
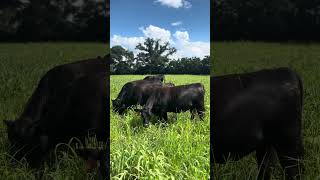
<point x="237" y="57"/>
<point x="21" y="67"/>
<point x="174" y="150"/>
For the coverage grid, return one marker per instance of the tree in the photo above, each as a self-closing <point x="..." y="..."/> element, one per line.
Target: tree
<point x="122" y="61"/>
<point x="153" y="56"/>
<point x="52" y="20"/>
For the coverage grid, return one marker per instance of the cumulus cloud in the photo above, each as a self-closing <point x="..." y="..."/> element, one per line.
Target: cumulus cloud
<point x="180" y="40"/>
<point x="175" y="3"/>
<point x="176" y="23"/>
<point x="181" y="36"/>
<point x="155" y="32"/>
<point x="187" y="48"/>
<point x="126" y="42"/>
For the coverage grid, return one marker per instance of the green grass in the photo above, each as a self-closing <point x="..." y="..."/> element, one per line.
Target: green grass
<point x="176" y="150"/>
<point x="237" y="57"/>
<point x="21" y="67"/>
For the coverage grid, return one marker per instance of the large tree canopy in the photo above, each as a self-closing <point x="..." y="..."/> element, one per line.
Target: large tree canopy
<point x="153" y="57"/>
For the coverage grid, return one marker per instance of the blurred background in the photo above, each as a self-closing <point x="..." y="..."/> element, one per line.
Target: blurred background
<point x="54" y="20"/>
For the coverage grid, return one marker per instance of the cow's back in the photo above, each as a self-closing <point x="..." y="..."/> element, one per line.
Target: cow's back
<point x="179" y="98"/>
<point x="138" y="91"/>
<point x="57" y="80"/>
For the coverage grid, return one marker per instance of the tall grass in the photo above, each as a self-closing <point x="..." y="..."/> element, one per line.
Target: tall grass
<point x="176" y="150"/>
<point x="21" y="67"/>
<point x="237" y="57"/>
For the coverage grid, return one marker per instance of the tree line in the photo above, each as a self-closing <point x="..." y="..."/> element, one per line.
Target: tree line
<point x="267" y="20"/>
<point x="54" y="20"/>
<point x="153" y="57"/>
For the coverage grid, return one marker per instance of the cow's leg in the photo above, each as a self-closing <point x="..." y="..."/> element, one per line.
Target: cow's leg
<point x="145" y="113"/>
<point x="264" y="157"/>
<point x="200" y="110"/>
<point x="165" y="116"/>
<point x="290" y="156"/>
<point x="162" y="116"/>
<point x="192" y="112"/>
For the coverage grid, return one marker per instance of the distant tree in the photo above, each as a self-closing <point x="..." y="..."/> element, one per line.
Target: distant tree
<point x="153" y="56"/>
<point x="10" y="18"/>
<point x="54" y="20"/>
<point x="205" y="65"/>
<point x="267" y="20"/>
<point x="122" y="61"/>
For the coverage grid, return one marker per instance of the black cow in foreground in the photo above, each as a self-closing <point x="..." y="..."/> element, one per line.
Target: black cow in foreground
<point x="52" y="83"/>
<point x="70" y="101"/>
<point x="135" y="93"/>
<point x="174" y="99"/>
<point x="258" y="111"/>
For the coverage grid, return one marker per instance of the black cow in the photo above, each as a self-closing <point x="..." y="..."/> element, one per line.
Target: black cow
<point x="258" y="111"/>
<point x="134" y="93"/>
<point x="66" y="103"/>
<point x="55" y="80"/>
<point x="174" y="99"/>
<point x="155" y="77"/>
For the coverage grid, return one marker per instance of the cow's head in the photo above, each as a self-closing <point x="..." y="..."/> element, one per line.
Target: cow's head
<point x="23" y="137"/>
<point x="21" y="130"/>
<point x="117" y="106"/>
<point x="162" y="77"/>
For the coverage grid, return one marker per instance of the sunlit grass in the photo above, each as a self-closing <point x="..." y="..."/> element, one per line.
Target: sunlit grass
<point x="176" y="150"/>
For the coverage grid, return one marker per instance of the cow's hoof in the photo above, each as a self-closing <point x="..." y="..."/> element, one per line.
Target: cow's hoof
<point x="146" y="124"/>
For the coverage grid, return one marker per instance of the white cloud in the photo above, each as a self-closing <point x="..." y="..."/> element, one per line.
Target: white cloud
<point x="175" y="3"/>
<point x="155" y="32"/>
<point x="176" y="23"/>
<point x="193" y="49"/>
<point x="185" y="47"/>
<point x="126" y="42"/>
<point x="181" y="36"/>
<point x="187" y="4"/>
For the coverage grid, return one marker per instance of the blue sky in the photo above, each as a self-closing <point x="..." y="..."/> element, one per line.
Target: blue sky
<point x="184" y="23"/>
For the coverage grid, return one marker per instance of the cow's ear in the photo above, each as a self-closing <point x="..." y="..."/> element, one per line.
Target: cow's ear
<point x="8" y="123"/>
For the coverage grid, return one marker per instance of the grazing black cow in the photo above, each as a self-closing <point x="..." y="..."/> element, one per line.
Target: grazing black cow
<point x="174" y="99"/>
<point x="69" y="101"/>
<point x="258" y="111"/>
<point x="155" y="77"/>
<point x="134" y="93"/>
<point x="55" y="80"/>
